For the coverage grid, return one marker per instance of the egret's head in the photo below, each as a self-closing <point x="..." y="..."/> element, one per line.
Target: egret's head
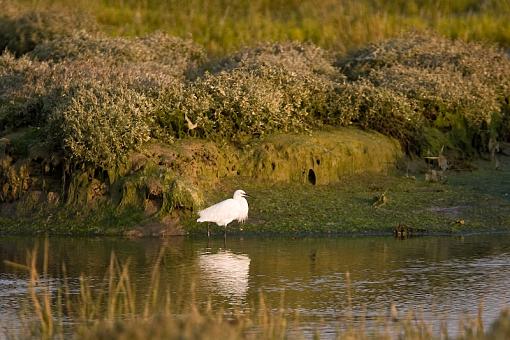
<point x="240" y="193"/>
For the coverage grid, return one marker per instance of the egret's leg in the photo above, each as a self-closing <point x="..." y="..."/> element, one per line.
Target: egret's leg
<point x="208" y="231"/>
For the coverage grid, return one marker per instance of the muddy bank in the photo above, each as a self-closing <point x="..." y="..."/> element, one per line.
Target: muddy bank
<point x="162" y="186"/>
<point x="333" y="182"/>
<point x="476" y="200"/>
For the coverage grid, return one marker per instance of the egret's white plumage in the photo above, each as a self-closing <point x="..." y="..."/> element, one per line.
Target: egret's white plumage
<point x="226" y="211"/>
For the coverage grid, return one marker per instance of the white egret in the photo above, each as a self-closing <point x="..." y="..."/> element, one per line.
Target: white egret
<point x="226" y="211"/>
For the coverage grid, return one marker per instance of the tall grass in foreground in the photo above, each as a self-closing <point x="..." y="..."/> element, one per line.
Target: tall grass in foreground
<point x="114" y="312"/>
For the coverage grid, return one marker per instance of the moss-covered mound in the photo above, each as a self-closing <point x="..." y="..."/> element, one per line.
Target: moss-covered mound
<point x="161" y="183"/>
<point x="322" y="157"/>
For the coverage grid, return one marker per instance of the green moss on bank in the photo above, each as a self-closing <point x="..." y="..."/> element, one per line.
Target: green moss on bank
<point x="469" y="201"/>
<point x="163" y="185"/>
<point x="321" y="158"/>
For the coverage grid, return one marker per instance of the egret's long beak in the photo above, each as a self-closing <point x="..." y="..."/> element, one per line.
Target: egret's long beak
<point x="246" y="195"/>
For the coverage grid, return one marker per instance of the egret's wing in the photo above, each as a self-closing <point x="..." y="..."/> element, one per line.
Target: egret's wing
<point x="226" y="209"/>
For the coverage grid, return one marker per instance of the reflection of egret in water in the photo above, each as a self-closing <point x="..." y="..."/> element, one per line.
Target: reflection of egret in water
<point x="227" y="272"/>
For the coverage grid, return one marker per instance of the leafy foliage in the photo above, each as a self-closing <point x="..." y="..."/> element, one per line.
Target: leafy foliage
<point x="270" y="88"/>
<point x="21" y="31"/>
<point x="380" y="109"/>
<point x="154" y="50"/>
<point x="59" y="95"/>
<point x="460" y="89"/>
<point x="100" y="125"/>
<point x="23" y="89"/>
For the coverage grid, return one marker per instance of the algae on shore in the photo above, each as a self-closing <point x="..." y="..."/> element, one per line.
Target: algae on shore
<point x="469" y="201"/>
<point x="169" y="180"/>
<point x="323" y="182"/>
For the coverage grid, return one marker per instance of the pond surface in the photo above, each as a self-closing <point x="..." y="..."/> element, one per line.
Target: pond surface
<point x="444" y="278"/>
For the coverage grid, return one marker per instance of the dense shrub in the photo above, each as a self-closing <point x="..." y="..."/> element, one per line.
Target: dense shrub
<point x="281" y="87"/>
<point x="237" y="103"/>
<point x="75" y="93"/>
<point x="30" y="90"/>
<point x="23" y="89"/>
<point x="380" y="109"/>
<point x="178" y="55"/>
<point x="430" y="51"/>
<point x="21" y="31"/>
<point x="99" y="124"/>
<point x="458" y="88"/>
<point x="292" y="57"/>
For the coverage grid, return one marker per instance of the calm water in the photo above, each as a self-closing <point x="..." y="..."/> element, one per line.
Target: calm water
<point x="444" y="277"/>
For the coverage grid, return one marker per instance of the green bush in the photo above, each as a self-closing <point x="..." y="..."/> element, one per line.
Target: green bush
<point x="372" y="107"/>
<point x="67" y="97"/>
<point x="21" y="31"/>
<point x="431" y="51"/>
<point x="271" y="88"/>
<point x="458" y="88"/>
<point x="293" y="57"/>
<point x="99" y="124"/>
<point x="23" y="89"/>
<point x="152" y="50"/>
<point x="30" y="90"/>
